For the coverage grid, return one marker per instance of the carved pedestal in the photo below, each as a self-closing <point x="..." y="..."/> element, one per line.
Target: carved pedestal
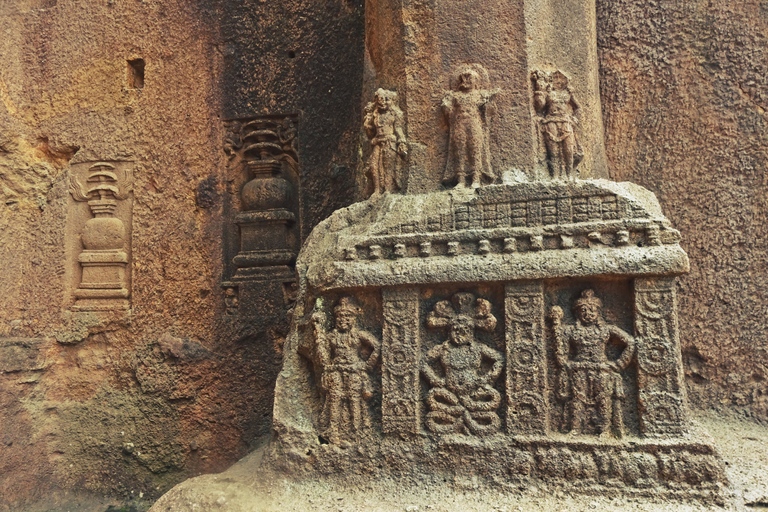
<point x="528" y="333"/>
<point x="264" y="210"/>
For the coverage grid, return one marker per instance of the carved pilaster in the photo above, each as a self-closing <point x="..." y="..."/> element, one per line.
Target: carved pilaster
<point x="528" y="408"/>
<point x="660" y="378"/>
<point x="400" y="362"/>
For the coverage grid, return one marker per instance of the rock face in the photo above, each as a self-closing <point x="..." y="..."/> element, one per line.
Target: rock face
<point x="501" y="334"/>
<point x="131" y="356"/>
<point x="161" y="91"/>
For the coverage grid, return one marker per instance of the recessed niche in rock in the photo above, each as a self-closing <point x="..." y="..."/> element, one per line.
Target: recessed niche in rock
<point x="508" y="315"/>
<point x="262" y="208"/>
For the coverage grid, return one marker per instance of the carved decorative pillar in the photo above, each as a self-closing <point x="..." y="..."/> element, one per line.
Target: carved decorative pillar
<point x="103" y="261"/>
<point x="660" y="373"/>
<point x="265" y="201"/>
<point x="400" y="362"/>
<point x="263" y="207"/>
<point x="528" y="408"/>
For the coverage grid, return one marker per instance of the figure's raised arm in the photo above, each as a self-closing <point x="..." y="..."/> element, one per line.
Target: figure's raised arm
<point x="561" y="350"/>
<point x="321" y="342"/>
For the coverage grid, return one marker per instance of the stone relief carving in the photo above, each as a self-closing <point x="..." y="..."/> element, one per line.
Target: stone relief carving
<point x="262" y="208"/>
<point x="384" y="125"/>
<point x="400" y="369"/>
<point x="346" y="357"/>
<point x="528" y="408"/>
<point x="266" y="199"/>
<point x="660" y="380"/>
<point x="231" y="300"/>
<point x="468" y="107"/>
<point x="554" y="101"/>
<point x="592" y="383"/>
<point x="104" y="259"/>
<point x="462" y="371"/>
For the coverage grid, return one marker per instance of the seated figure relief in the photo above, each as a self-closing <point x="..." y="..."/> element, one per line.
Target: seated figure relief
<point x="462" y="371"/>
<point x="346" y="355"/>
<point x="592" y="382"/>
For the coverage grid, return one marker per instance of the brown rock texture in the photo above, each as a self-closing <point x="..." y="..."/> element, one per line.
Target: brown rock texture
<point x="121" y="402"/>
<point x="132" y="401"/>
<point x="684" y="100"/>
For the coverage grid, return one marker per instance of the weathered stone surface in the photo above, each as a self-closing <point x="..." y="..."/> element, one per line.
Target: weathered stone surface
<point x="583" y="402"/>
<point x="153" y="84"/>
<point x="684" y="100"/>
<point x="681" y="90"/>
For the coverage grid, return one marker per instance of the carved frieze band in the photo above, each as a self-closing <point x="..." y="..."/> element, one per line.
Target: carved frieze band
<point x="662" y="403"/>
<point x="526" y="359"/>
<point x="400" y="362"/>
<point x="639" y="233"/>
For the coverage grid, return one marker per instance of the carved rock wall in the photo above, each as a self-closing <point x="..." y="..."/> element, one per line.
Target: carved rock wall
<point x="137" y="402"/>
<point x="119" y="401"/>
<point x="684" y="99"/>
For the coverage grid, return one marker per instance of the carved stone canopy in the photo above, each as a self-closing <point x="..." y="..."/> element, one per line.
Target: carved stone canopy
<point x="538" y="230"/>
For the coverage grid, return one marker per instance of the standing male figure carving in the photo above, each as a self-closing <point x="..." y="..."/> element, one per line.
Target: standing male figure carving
<point x="384" y="126"/>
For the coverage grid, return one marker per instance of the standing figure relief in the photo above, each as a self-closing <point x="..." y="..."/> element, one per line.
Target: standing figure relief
<point x="384" y="125"/>
<point x="591" y="381"/>
<point x="347" y="356"/>
<point x="467" y="107"/>
<point x="462" y="371"/>
<point x="554" y="101"/>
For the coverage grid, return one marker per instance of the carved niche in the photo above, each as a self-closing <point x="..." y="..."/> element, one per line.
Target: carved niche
<point x="262" y="204"/>
<point x="102" y="273"/>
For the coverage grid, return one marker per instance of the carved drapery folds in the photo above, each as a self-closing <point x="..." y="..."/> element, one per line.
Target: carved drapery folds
<point x="468" y="107"/>
<point x="103" y="261"/>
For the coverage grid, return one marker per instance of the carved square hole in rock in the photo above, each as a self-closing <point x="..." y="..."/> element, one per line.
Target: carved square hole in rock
<point x="136" y="73"/>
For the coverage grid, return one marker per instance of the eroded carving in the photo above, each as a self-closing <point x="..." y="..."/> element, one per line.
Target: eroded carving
<point x="384" y="125"/>
<point x="346" y="356"/>
<point x="400" y="363"/>
<point x="104" y="259"/>
<point x="462" y="398"/>
<point x="661" y="396"/>
<point x="554" y="101"/>
<point x="264" y="196"/>
<point x="467" y="108"/>
<point x="231" y="300"/>
<point x="527" y="410"/>
<point x="593" y="383"/>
